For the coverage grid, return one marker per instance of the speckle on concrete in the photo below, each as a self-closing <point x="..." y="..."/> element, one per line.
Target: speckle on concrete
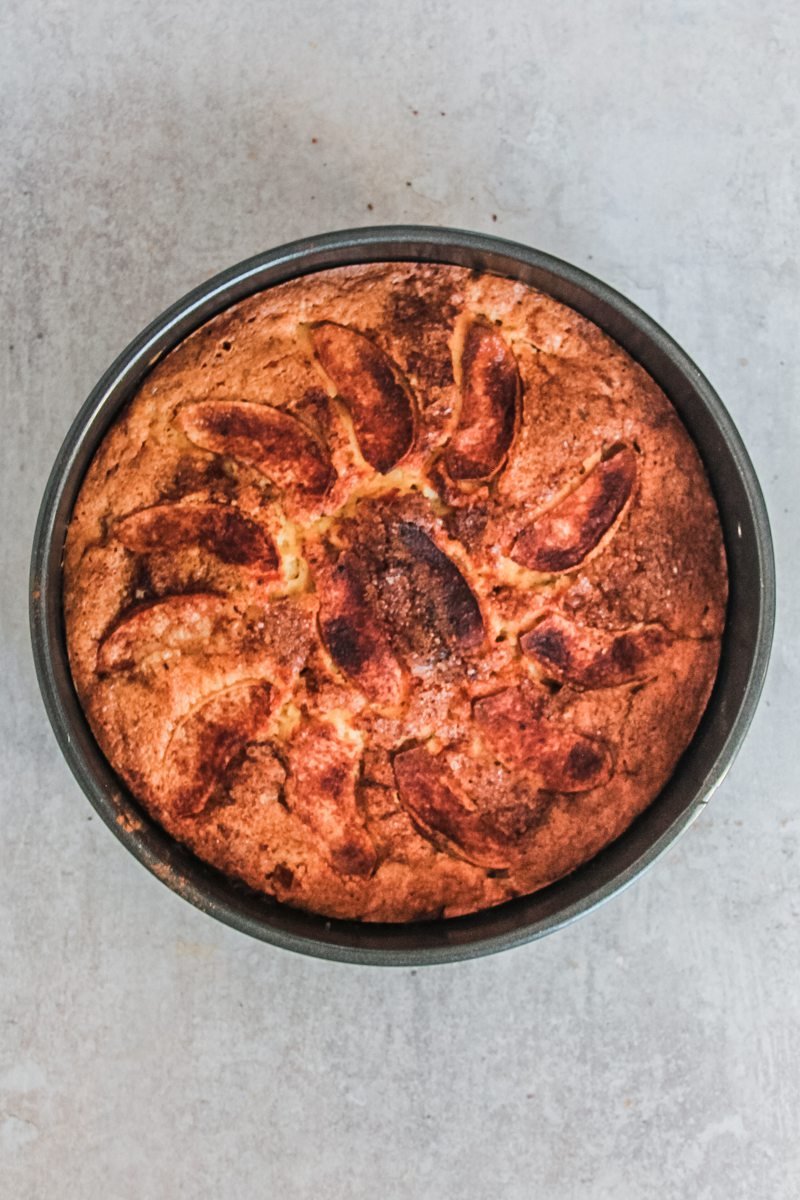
<point x="651" y="1050"/>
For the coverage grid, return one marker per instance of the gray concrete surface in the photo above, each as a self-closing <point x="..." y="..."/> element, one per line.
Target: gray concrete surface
<point x="652" y="1049"/>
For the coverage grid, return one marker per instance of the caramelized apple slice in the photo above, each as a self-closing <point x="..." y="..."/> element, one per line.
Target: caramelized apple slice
<point x="353" y="636"/>
<point x="592" y="658"/>
<point x="431" y="797"/>
<point x="219" y="529"/>
<point x="177" y="623"/>
<point x="280" y="446"/>
<point x="567" y="533"/>
<point x="442" y="596"/>
<point x="490" y="389"/>
<point x="516" y="732"/>
<point x="207" y="739"/>
<point x="321" y="792"/>
<point x="369" y="384"/>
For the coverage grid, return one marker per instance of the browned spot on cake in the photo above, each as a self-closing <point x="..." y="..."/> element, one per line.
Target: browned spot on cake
<point x="490" y="390"/>
<point x="422" y="316"/>
<point x="282" y="876"/>
<point x="566" y="534"/>
<point x="467" y="524"/>
<point x="369" y="384"/>
<point x="278" y="444"/>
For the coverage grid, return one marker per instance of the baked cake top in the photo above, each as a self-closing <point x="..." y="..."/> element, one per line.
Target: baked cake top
<point x="396" y="591"/>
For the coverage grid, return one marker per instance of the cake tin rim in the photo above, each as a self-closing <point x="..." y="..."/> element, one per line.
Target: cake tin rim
<point x="378" y="243"/>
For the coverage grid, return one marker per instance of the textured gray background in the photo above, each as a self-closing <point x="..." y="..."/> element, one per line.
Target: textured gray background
<point x="652" y="1049"/>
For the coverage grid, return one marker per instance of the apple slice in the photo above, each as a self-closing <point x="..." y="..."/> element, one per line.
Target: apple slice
<point x="219" y="529"/>
<point x="561" y="538"/>
<point x="442" y="596"/>
<point x="565" y="761"/>
<point x="430" y="795"/>
<point x="490" y="391"/>
<point x="205" y="741"/>
<point x="370" y="385"/>
<point x="353" y="636"/>
<point x="321" y="792"/>
<point x="176" y="624"/>
<point x="276" y="443"/>
<point x="592" y="658"/>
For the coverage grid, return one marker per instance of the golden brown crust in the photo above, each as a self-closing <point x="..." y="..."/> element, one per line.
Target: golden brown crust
<point x="378" y="592"/>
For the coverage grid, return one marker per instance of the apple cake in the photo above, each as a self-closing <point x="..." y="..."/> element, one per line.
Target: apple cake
<point x="396" y="591"/>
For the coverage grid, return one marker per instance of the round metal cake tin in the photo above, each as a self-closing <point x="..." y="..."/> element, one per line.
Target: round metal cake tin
<point x="745" y="647"/>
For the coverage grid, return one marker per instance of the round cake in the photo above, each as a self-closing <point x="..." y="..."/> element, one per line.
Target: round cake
<point x="396" y="592"/>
